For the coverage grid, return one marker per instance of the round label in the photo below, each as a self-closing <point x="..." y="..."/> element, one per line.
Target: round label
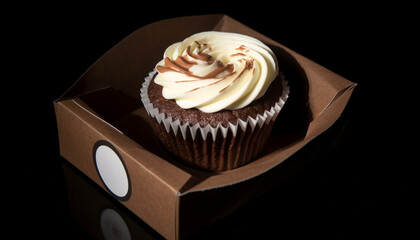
<point x="111" y="169"/>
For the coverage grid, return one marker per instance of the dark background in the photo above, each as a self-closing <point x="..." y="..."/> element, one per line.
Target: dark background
<point x="361" y="179"/>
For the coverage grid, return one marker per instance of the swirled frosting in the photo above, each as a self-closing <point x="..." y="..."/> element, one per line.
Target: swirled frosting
<point x="213" y="70"/>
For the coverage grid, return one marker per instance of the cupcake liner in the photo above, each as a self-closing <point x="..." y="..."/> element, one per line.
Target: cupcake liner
<point x="175" y="125"/>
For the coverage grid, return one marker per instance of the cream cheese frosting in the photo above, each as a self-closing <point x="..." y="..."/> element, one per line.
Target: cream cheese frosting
<point x="214" y="70"/>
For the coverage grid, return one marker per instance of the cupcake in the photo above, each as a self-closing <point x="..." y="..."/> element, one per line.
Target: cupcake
<point x="213" y="99"/>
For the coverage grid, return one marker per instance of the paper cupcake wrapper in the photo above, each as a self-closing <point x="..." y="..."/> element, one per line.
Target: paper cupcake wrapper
<point x="195" y="129"/>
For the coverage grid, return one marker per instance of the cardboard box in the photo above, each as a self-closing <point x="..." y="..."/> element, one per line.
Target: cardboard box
<point x="104" y="131"/>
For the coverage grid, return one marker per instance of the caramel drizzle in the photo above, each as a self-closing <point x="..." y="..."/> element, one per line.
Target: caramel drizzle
<point x="234" y="80"/>
<point x="182" y="65"/>
<point x="242" y="48"/>
<point x="200" y="55"/>
<point x="210" y="84"/>
<point x="237" y="54"/>
<point x="249" y="64"/>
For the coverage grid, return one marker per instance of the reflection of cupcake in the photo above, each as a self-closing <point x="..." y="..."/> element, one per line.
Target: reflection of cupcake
<point x="213" y="99"/>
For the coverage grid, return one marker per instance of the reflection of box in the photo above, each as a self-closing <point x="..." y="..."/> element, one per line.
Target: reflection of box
<point x="97" y="214"/>
<point x="104" y="130"/>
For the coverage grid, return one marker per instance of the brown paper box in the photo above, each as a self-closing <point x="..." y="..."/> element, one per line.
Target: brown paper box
<point x="103" y="108"/>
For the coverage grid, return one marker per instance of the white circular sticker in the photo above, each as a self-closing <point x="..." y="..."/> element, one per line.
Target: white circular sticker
<point x="111" y="169"/>
<point x="113" y="225"/>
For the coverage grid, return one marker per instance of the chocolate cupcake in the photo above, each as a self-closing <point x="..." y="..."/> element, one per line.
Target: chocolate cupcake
<point x="213" y="99"/>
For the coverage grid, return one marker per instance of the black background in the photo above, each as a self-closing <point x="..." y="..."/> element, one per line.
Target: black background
<point x="361" y="181"/>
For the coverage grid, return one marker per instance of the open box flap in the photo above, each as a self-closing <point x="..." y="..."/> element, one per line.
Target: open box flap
<point x="125" y="65"/>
